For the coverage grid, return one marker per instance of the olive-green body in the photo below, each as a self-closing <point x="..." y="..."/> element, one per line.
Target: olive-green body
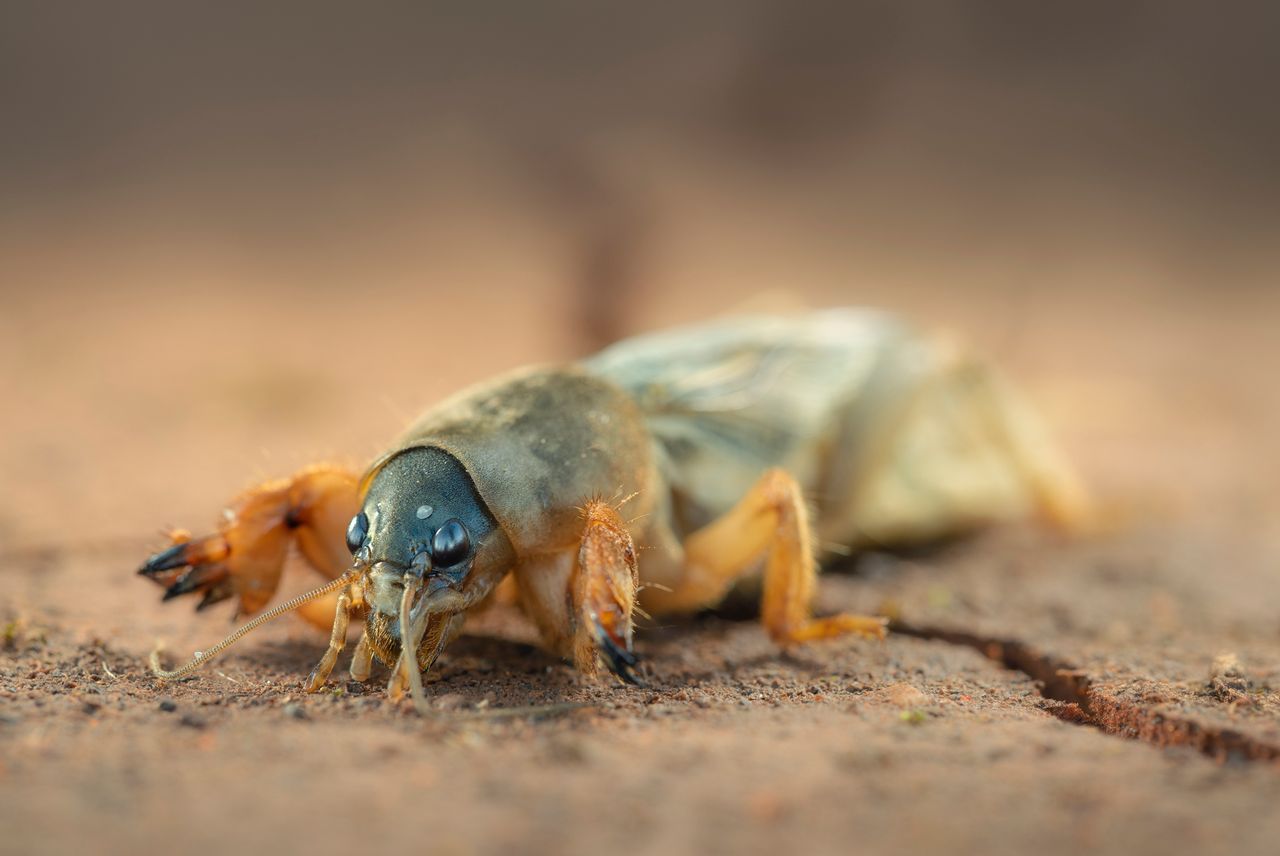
<point x="538" y="444"/>
<point x="891" y="437"/>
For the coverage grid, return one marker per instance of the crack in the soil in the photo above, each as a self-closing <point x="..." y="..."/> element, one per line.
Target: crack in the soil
<point x="1082" y="704"/>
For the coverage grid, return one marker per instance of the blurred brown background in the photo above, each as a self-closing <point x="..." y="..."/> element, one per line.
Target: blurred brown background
<point x="235" y="238"/>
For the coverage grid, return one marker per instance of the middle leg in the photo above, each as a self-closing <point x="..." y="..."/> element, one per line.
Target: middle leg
<point x="770" y="521"/>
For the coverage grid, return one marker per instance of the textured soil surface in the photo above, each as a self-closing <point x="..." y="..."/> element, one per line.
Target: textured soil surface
<point x="1039" y="695"/>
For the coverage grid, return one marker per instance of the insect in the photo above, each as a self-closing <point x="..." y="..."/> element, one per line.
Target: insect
<point x="732" y="447"/>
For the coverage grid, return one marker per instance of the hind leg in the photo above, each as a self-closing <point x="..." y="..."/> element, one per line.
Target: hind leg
<point x="245" y="557"/>
<point x="1060" y="498"/>
<point x="770" y="521"/>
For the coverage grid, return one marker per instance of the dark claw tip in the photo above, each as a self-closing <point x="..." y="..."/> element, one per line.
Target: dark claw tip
<point x="175" y="590"/>
<point x="215" y="594"/>
<point x="621" y="661"/>
<point x="629" y="676"/>
<point x="166" y="560"/>
<point x="201" y="576"/>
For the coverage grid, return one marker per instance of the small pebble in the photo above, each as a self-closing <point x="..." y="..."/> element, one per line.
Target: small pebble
<point x="168" y="705"/>
<point x="450" y="701"/>
<point x="190" y="720"/>
<point x="295" y="710"/>
<point x="905" y="695"/>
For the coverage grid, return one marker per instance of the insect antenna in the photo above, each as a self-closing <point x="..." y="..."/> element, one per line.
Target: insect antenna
<point x="203" y="657"/>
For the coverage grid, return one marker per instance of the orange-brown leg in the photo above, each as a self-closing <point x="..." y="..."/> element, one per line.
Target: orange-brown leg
<point x="604" y="593"/>
<point x="582" y="598"/>
<point x="349" y="601"/>
<point x="245" y="557"/>
<point x="1060" y="497"/>
<point x="771" y="521"/>
<point x="337" y="641"/>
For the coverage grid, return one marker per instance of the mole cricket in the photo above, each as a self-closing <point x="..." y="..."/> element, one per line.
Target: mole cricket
<point x="650" y="478"/>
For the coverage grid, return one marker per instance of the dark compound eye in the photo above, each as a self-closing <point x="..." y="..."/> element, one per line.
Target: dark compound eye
<point x="451" y="544"/>
<point x="357" y="531"/>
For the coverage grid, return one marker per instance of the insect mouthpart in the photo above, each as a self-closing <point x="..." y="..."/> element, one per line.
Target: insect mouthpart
<point x="421" y="564"/>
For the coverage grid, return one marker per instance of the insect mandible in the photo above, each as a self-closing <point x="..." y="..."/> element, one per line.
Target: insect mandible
<point x="738" y="446"/>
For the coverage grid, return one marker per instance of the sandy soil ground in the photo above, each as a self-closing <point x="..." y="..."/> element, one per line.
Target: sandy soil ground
<point x="1042" y="695"/>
